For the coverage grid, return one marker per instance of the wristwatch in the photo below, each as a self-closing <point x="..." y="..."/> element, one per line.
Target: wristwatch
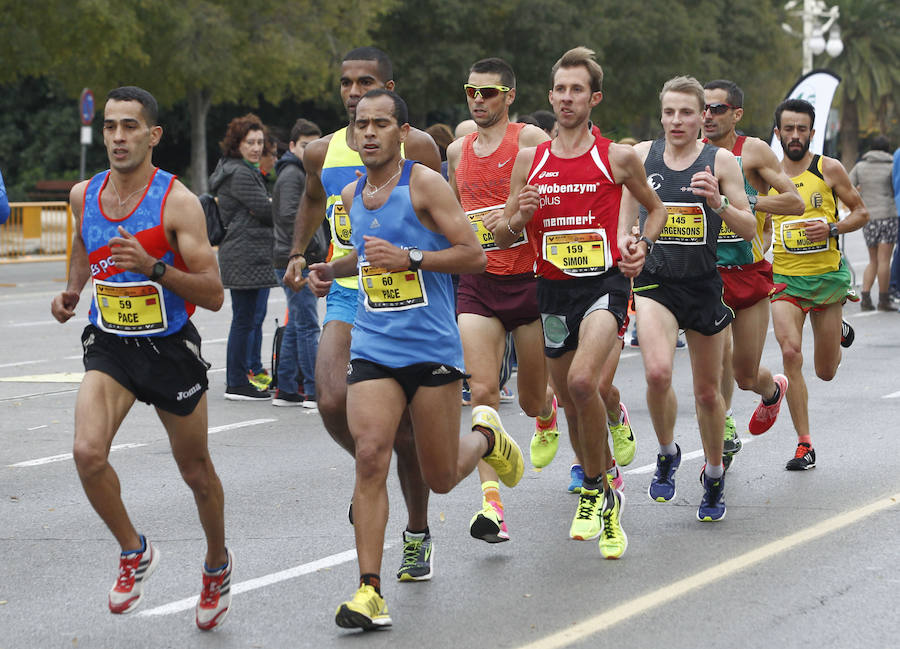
<point x="159" y="269"/>
<point x="754" y="199"/>
<point x="723" y="206"/>
<point x="646" y="240"/>
<point x="415" y="258"/>
<point x="833" y="231"/>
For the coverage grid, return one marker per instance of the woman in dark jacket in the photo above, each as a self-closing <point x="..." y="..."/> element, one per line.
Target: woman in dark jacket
<point x="245" y="255"/>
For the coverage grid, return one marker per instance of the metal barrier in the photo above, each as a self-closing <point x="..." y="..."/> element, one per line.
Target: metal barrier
<point x="36" y="229"/>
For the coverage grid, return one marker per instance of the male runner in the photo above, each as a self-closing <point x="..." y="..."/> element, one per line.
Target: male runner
<point x="808" y="260"/>
<point x="140" y="237"/>
<point x="409" y="233"/>
<point x="679" y="287"/>
<point x="331" y="162"/>
<point x="746" y="274"/>
<point x="503" y="299"/>
<point x="566" y="195"/>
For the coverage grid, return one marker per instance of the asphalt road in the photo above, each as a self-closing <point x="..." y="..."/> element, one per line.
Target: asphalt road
<point x="801" y="560"/>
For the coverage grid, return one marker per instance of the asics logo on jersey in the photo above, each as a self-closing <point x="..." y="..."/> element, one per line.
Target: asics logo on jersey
<point x="548" y="174"/>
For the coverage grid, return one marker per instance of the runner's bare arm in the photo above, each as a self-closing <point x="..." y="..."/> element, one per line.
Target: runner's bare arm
<point x="62" y="306"/>
<point x="730" y="183"/>
<point x="521" y="205"/>
<point x="421" y="147"/>
<point x="185" y="228"/>
<point x="322" y="275"/>
<point x="766" y="165"/>
<point x="836" y="177"/>
<point x="310" y="213"/>
<point x="532" y="135"/>
<point x="439" y="211"/>
<point x="454" y="151"/>
<point x="628" y="169"/>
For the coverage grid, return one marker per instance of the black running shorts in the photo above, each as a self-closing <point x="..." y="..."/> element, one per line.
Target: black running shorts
<point x="696" y="303"/>
<point x="164" y="371"/>
<point x="410" y="378"/>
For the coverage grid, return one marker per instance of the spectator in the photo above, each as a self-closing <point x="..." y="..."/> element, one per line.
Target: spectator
<point x="442" y="136"/>
<point x="528" y="119"/>
<point x="872" y="177"/>
<point x="895" y="265"/>
<point x="547" y="121"/>
<point x="4" y="202"/>
<point x="245" y="255"/>
<point x="297" y="355"/>
<point x="464" y="128"/>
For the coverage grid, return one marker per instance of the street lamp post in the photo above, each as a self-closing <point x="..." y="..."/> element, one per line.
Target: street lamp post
<point x="817" y="20"/>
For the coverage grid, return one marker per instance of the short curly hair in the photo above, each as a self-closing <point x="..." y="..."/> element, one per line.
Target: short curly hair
<point x="237" y="131"/>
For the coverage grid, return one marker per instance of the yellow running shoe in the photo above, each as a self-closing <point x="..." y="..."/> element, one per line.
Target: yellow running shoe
<point x="613" y="540"/>
<point x="545" y="441"/>
<point x="623" y="438"/>
<point x="506" y="456"/>
<point x="260" y="381"/>
<point x="587" y="524"/>
<point x="366" y="610"/>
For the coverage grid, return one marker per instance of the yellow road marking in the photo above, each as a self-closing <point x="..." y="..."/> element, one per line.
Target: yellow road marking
<point x="675" y="590"/>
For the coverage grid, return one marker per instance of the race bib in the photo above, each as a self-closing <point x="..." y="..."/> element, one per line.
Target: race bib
<point x="727" y="235"/>
<point x="340" y="225"/>
<point x="130" y="308"/>
<point x="793" y="237"/>
<point x="396" y="290"/>
<point x="486" y="237"/>
<point x="685" y="225"/>
<point x="580" y="253"/>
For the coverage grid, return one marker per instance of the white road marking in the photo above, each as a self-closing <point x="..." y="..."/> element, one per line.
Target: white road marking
<point x="23" y="363"/>
<point x="260" y="582"/>
<point x="118" y="447"/>
<point x="650" y="468"/>
<point x="892" y="395"/>
<point x="47" y="321"/>
<point x="673" y="591"/>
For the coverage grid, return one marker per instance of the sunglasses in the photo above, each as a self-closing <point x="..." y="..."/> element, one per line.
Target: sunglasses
<point x="485" y="92"/>
<point x="718" y="109"/>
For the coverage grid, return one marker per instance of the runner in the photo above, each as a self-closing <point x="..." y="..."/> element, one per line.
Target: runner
<point x="140" y="237"/>
<point x="409" y="233"/>
<point x="808" y="260"/>
<point x="565" y="195"/>
<point x="503" y="299"/>
<point x="746" y="274"/>
<point x="331" y="162"/>
<point x="679" y="287"/>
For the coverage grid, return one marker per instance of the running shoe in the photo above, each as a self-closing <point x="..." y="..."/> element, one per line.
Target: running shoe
<point x="623" y="438"/>
<point x="577" y="474"/>
<point x="488" y="524"/>
<point x="418" y="552"/>
<point x="764" y="416"/>
<point x="615" y="478"/>
<point x="613" y="540"/>
<point x="134" y="569"/>
<point x="367" y="610"/>
<point x="662" y="487"/>
<point x="309" y="402"/>
<point x="261" y="380"/>
<point x="466" y="396"/>
<point x="712" y="505"/>
<point x="287" y="399"/>
<point x="733" y="444"/>
<point x="215" y="598"/>
<point x="804" y="458"/>
<point x="246" y="393"/>
<point x="545" y="440"/>
<point x="587" y="523"/>
<point x="506" y="395"/>
<point x="847" y="334"/>
<point x="506" y="456"/>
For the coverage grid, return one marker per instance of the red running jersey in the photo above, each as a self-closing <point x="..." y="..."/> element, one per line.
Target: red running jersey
<point x="483" y="185"/>
<point x="573" y="232"/>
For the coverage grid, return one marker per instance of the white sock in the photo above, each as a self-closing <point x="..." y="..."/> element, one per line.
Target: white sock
<point x="714" y="471"/>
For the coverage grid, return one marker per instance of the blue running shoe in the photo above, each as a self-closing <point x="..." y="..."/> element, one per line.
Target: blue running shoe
<point x="662" y="487"/>
<point x="577" y="478"/>
<point x="712" y="507"/>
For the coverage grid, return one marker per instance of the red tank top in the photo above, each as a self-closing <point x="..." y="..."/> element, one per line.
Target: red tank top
<point x="573" y="232"/>
<point x="483" y="185"/>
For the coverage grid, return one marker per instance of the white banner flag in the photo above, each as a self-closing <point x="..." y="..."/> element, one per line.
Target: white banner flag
<point x="818" y="88"/>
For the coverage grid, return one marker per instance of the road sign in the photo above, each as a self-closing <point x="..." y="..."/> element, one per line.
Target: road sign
<point x="86" y="107"/>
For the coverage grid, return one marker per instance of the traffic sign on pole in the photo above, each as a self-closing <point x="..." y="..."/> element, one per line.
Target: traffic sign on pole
<point x="86" y="107"/>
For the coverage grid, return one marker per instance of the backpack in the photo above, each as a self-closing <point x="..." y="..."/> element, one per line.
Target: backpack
<point x="214" y="228"/>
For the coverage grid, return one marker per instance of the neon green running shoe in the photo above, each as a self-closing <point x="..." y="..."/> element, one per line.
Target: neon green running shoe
<point x="545" y="441"/>
<point x="587" y="524"/>
<point x="623" y="438"/>
<point x="506" y="456"/>
<point x="613" y="540"/>
<point x="260" y="381"/>
<point x="366" y="610"/>
<point x="733" y="444"/>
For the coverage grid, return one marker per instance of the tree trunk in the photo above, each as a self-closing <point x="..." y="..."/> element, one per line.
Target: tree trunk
<point x="849" y="133"/>
<point x="199" y="103"/>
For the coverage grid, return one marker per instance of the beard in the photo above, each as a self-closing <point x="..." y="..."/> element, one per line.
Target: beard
<point x="795" y="154"/>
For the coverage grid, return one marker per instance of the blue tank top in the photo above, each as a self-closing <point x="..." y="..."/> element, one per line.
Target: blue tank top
<point x="404" y="317"/>
<point x="126" y="303"/>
